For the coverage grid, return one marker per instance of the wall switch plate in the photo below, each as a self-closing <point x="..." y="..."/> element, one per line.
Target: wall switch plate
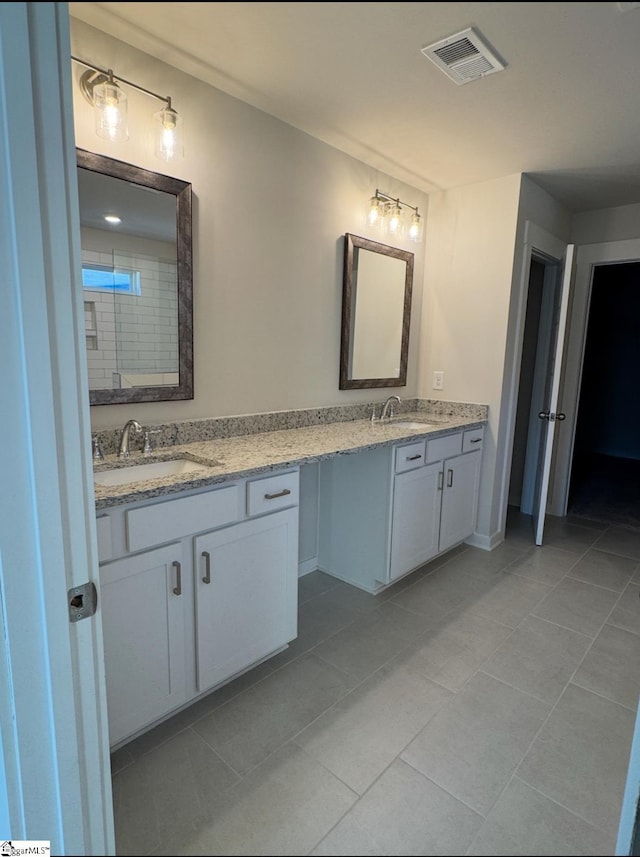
<point x="438" y="380"/>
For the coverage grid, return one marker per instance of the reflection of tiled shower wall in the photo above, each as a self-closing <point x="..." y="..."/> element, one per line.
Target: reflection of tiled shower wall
<point x="132" y="334"/>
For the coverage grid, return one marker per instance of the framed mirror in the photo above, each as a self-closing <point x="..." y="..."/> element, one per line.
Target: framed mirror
<point x="137" y="281"/>
<point x="376" y="312"/>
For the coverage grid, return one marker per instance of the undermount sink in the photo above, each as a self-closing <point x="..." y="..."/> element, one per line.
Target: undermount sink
<point x="152" y="470"/>
<point x="412" y="424"/>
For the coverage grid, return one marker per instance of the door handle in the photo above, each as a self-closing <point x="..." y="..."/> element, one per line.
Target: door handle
<point x="548" y="415"/>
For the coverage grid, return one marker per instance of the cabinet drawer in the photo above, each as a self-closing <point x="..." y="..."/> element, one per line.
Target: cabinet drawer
<point x="444" y="447"/>
<point x="272" y="493"/>
<point x="410" y="456"/>
<point x="164" y="522"/>
<point x="472" y="439"/>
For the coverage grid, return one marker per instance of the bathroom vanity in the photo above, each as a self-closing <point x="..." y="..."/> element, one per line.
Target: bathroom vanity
<point x="194" y="590"/>
<point x="385" y="512"/>
<point x="199" y="569"/>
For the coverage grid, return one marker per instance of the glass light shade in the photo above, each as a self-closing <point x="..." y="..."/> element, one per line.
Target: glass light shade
<point x="376" y="211"/>
<point x="110" y="107"/>
<point x="168" y="145"/>
<point x="394" y="220"/>
<point x="416" y="228"/>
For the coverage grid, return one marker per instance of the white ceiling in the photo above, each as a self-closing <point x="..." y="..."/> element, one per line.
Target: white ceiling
<point x="566" y="110"/>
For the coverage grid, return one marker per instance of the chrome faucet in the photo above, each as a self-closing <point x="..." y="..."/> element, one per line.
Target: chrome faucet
<point x="123" y="452"/>
<point x="387" y="408"/>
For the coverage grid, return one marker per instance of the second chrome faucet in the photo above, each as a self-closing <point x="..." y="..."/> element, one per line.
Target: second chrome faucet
<point x="123" y="451"/>
<point x="388" y="407"/>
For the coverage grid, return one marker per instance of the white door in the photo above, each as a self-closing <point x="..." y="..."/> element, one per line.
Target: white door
<point x="549" y="414"/>
<point x="55" y="781"/>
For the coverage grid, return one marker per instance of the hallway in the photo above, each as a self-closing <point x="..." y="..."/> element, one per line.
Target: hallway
<point x="605" y="489"/>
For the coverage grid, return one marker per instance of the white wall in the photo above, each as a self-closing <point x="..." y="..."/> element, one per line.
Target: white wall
<point x="606" y="224"/>
<point x="271" y="205"/>
<point x="471" y="233"/>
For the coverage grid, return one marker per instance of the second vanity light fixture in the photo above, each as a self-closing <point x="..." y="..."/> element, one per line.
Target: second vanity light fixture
<point x="102" y="89"/>
<point x="389" y="214"/>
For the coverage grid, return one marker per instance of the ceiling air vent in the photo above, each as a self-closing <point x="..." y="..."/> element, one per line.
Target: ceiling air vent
<point x="464" y="57"/>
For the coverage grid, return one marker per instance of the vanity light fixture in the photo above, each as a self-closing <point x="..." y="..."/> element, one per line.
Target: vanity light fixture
<point x="389" y="214"/>
<point x="101" y="89"/>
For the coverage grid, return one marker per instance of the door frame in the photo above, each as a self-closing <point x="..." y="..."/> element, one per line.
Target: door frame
<point x="536" y="243"/>
<point x="588" y="257"/>
<point x="551" y="284"/>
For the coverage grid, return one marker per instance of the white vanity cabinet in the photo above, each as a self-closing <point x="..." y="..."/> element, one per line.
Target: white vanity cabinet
<point x="246" y="594"/>
<point x="415" y="518"/>
<point x="181" y="618"/>
<point x="144" y="628"/>
<point x="384" y="513"/>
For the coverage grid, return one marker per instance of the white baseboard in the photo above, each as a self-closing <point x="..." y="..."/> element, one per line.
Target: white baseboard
<point x="485" y="543"/>
<point x="307" y="566"/>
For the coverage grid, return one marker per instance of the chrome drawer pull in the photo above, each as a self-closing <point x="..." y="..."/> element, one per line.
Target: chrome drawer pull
<point x="177" y="590"/>
<point x="207" y="567"/>
<point x="449" y="478"/>
<point x="282" y="493"/>
<point x="413" y="457"/>
<point x="440" y="480"/>
<point x="476" y="440"/>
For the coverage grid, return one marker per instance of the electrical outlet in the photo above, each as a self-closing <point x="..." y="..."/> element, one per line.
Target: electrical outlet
<point x="438" y="380"/>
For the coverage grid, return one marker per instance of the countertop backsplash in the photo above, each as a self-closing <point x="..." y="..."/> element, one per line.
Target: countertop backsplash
<point x="191" y="431"/>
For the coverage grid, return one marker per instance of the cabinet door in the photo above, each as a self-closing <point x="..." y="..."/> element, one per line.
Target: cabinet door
<point x="415" y="518"/>
<point x="246" y="594"/>
<point x="459" y="499"/>
<point x="143" y="621"/>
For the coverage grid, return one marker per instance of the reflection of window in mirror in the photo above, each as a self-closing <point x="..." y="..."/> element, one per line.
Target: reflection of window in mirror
<point x="135" y="232"/>
<point x="376" y="309"/>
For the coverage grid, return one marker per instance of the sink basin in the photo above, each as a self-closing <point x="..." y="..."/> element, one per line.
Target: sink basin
<point x="412" y="424"/>
<point x="152" y="470"/>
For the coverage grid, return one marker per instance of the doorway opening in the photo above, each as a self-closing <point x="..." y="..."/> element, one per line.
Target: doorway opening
<point x="605" y="470"/>
<point x="534" y="386"/>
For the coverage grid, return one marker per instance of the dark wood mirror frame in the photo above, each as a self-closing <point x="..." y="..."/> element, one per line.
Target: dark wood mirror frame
<point x="182" y="192"/>
<point x="353" y="243"/>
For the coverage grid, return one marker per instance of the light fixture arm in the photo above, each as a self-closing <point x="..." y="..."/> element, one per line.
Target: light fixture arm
<point x="100" y="75"/>
<point x="386" y="198"/>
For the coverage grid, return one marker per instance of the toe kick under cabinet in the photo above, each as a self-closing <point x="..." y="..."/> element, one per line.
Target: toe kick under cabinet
<point x="385" y="512"/>
<point x="194" y="590"/>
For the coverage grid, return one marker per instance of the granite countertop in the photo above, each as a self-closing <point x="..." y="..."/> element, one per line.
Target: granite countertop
<point x="228" y="458"/>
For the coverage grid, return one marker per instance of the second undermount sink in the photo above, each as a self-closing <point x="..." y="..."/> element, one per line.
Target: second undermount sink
<point x="150" y="470"/>
<point x="412" y="424"/>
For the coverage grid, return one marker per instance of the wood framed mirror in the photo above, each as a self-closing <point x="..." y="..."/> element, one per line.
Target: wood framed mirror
<point x="137" y="278"/>
<point x="376" y="314"/>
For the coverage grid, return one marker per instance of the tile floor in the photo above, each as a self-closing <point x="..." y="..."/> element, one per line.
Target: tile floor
<point x="483" y="705"/>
